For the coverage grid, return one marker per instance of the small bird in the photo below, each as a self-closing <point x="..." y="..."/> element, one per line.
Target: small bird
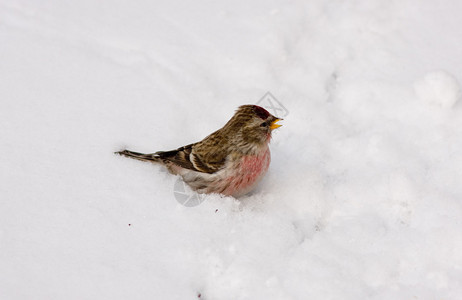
<point x="230" y="161"/>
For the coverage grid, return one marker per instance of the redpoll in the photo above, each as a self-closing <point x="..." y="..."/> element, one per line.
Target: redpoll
<point x="230" y="161"/>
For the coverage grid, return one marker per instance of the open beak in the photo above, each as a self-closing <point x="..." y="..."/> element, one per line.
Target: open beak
<point x="273" y="124"/>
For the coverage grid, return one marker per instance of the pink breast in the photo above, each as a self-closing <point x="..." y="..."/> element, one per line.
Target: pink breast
<point x="251" y="170"/>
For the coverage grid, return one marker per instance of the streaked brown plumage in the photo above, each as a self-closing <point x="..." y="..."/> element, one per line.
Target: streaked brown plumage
<point x="229" y="161"/>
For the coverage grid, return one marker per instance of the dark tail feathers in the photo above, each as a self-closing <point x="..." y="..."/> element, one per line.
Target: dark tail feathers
<point x="153" y="157"/>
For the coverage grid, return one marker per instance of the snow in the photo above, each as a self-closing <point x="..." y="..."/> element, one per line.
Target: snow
<point x="438" y="88"/>
<point x="363" y="199"/>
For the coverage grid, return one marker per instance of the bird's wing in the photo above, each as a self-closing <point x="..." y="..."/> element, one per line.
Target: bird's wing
<point x="197" y="157"/>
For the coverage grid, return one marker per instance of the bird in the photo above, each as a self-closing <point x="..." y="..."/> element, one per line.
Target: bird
<point x="231" y="161"/>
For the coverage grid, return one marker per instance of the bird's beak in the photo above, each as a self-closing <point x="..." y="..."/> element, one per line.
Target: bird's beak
<point x="273" y="124"/>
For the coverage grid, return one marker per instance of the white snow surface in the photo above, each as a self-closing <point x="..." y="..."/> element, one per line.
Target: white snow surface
<point x="363" y="199"/>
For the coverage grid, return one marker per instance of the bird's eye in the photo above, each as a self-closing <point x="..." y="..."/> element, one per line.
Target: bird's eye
<point x="264" y="124"/>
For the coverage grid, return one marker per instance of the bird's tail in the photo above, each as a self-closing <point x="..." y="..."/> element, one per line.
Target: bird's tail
<point x="152" y="157"/>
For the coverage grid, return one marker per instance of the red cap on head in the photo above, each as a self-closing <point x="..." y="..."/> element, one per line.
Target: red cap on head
<point x="261" y="112"/>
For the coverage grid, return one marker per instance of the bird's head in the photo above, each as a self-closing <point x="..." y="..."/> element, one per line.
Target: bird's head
<point x="253" y="125"/>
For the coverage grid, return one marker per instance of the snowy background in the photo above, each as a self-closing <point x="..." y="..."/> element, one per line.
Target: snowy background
<point x="363" y="199"/>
